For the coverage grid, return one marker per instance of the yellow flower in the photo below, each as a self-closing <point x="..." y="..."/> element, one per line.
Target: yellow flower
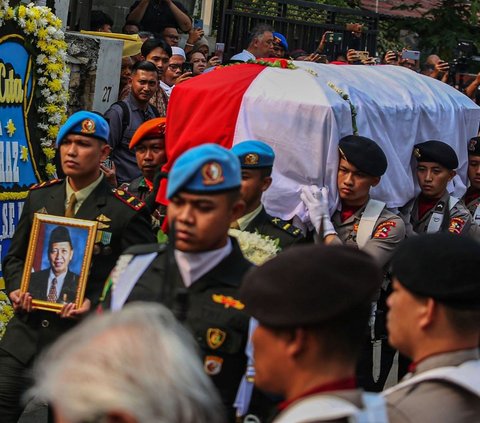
<point x="9" y="14"/>
<point x="30" y="26"/>
<point x="49" y="153"/>
<point x="50" y="169"/>
<point x="35" y="13"/>
<point x="55" y="85"/>
<point x="22" y="11"/>
<point x="52" y="131"/>
<point x="54" y="67"/>
<point x="42" y="33"/>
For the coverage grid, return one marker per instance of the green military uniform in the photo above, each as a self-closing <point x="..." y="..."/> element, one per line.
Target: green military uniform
<point x="275" y="228"/>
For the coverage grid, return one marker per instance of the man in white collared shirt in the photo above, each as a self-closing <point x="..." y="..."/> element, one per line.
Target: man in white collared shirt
<point x="260" y="45"/>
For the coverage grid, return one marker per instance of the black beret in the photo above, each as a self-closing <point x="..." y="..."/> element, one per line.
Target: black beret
<point x="441" y="266"/>
<point x="310" y="284"/>
<point x="60" y="234"/>
<point x="474" y="146"/>
<point x="365" y="154"/>
<point x="437" y="152"/>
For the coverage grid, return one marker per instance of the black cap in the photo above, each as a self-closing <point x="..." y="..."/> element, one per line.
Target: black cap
<point x="307" y="285"/>
<point x="60" y="234"/>
<point x="364" y="153"/>
<point x="441" y="266"/>
<point x="474" y="146"/>
<point x="436" y="152"/>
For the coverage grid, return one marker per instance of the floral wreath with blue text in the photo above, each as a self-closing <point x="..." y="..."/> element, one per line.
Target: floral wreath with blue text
<point x="44" y="36"/>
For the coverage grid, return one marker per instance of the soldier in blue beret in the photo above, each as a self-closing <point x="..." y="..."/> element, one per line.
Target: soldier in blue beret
<point x="472" y="196"/>
<point x="435" y="210"/>
<point x="200" y="270"/>
<point x="256" y="159"/>
<point x="84" y="194"/>
<point x="364" y="223"/>
<point x="280" y="45"/>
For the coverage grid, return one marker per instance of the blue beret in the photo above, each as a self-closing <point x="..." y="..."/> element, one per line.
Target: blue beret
<point x="279" y="38"/>
<point x="254" y="154"/>
<point x="206" y="169"/>
<point x="365" y="154"/>
<point x="85" y="123"/>
<point x="436" y="152"/>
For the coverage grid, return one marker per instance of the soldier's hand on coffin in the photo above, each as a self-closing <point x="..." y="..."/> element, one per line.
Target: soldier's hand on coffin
<point x="70" y="312"/>
<point x="21" y="301"/>
<point x="316" y="203"/>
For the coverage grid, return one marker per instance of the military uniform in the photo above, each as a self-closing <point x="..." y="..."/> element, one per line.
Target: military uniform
<point x="435" y="400"/>
<point x="258" y="156"/>
<point x="275" y="228"/>
<point x="459" y="217"/>
<point x="389" y="231"/>
<point x="214" y="315"/>
<point x="122" y="222"/>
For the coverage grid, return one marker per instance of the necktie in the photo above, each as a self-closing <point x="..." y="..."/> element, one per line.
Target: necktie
<point x="52" y="292"/>
<point x="70" y="211"/>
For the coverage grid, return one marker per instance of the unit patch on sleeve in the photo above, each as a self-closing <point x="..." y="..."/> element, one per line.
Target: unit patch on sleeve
<point x="456" y="225"/>
<point x="384" y="229"/>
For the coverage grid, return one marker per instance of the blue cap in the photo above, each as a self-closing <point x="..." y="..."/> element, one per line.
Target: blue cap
<point x="279" y="38"/>
<point x="206" y="169"/>
<point x="84" y="123"/>
<point x="254" y="154"/>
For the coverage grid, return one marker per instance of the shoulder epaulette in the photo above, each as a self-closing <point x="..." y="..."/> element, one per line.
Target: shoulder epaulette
<point x="145" y="249"/>
<point x="129" y="199"/>
<point x="286" y="226"/>
<point x="45" y="184"/>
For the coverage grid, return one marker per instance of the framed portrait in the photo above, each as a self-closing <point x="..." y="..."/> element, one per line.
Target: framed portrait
<point x="58" y="260"/>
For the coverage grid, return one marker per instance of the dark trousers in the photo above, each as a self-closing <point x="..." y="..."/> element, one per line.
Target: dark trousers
<point x="15" y="380"/>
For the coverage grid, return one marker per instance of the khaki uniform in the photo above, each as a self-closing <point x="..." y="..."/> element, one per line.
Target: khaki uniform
<point x="389" y="231"/>
<point x="472" y="208"/>
<point x="460" y="218"/>
<point x="435" y="400"/>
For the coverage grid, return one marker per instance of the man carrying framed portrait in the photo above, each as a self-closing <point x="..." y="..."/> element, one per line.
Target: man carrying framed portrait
<point x="122" y="221"/>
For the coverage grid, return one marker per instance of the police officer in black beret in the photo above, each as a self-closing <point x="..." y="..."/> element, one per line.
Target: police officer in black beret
<point x="311" y="330"/>
<point x="363" y="223"/>
<point x="434" y="319"/>
<point x="85" y="194"/>
<point x="472" y="196"/>
<point x="435" y="210"/>
<point x="256" y="160"/>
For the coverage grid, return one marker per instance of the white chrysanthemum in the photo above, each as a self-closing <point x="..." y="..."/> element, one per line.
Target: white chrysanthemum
<point x="255" y="247"/>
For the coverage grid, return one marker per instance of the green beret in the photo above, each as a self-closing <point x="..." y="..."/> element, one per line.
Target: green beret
<point x="474" y="146"/>
<point x="310" y="284"/>
<point x="365" y="154"/>
<point x="436" y="152"/>
<point x="441" y="266"/>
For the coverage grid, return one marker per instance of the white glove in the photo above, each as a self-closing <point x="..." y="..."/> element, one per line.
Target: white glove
<point x="316" y="202"/>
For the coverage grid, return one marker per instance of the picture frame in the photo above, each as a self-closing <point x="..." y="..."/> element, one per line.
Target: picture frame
<point x="58" y="261"/>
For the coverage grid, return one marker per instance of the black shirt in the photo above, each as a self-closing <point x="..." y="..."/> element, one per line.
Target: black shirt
<point x="158" y="15"/>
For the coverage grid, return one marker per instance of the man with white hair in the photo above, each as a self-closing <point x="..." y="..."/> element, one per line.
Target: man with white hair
<point x="135" y="366"/>
<point x="260" y="44"/>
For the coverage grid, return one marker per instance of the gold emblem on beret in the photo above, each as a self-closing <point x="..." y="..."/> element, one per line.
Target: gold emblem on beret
<point x="215" y="337"/>
<point x="251" y="159"/>
<point x="88" y="126"/>
<point x="472" y="145"/>
<point x="416" y="153"/>
<point x="212" y="173"/>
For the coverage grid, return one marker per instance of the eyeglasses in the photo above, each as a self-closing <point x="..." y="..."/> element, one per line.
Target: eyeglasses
<point x="174" y="67"/>
<point x="172" y="37"/>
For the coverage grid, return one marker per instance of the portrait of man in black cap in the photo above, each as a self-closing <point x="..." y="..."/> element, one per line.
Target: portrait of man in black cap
<point x="57" y="283"/>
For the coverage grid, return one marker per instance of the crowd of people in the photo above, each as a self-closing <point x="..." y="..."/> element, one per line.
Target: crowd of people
<point x="310" y="335"/>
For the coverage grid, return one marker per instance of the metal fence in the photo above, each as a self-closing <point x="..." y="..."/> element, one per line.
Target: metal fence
<point x="302" y="22"/>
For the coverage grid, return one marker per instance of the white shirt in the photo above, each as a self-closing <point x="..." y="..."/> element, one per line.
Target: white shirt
<point x="244" y="56"/>
<point x="193" y="266"/>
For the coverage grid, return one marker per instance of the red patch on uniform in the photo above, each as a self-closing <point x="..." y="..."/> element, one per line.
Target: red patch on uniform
<point x="456" y="225"/>
<point x="384" y="229"/>
<point x="355" y="227"/>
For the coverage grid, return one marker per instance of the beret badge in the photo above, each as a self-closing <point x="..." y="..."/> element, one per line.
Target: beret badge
<point x="88" y="126"/>
<point x="251" y="159"/>
<point x="416" y="153"/>
<point x="212" y="173"/>
<point x="472" y="144"/>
